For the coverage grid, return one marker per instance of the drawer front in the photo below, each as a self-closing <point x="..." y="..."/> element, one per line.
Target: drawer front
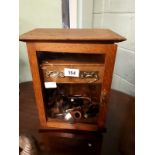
<point x="87" y="74"/>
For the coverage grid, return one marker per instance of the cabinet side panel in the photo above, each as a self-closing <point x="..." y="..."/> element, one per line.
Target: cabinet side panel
<point x="107" y="80"/>
<point x="36" y="82"/>
<point x="109" y="67"/>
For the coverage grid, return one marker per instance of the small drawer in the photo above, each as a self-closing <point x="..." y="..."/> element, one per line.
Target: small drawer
<point x="87" y="73"/>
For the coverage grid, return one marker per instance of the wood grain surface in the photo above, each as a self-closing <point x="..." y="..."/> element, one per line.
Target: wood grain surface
<point x="109" y="50"/>
<point x="48" y="34"/>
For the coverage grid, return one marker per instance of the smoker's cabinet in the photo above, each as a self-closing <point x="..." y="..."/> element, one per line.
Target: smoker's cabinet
<point x="72" y="73"/>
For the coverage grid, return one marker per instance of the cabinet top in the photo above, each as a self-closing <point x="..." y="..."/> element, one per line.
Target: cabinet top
<point x="50" y="34"/>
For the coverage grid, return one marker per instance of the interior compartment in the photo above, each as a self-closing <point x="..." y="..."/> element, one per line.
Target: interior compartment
<point x="73" y="102"/>
<point x="70" y="58"/>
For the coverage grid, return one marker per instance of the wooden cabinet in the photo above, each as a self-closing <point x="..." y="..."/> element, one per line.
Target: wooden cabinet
<point x="72" y="73"/>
